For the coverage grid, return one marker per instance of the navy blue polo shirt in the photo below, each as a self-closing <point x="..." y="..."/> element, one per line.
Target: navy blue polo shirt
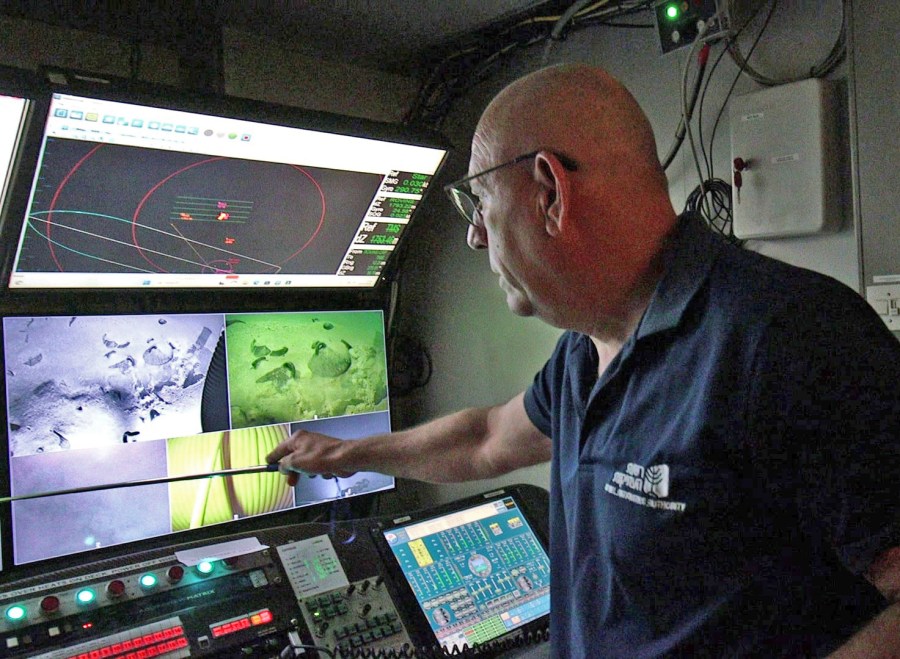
<point x="721" y="488"/>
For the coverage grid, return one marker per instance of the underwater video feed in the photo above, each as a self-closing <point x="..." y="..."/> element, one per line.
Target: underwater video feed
<point x="202" y="502"/>
<point x="89" y="381"/>
<point x="292" y="367"/>
<point x="93" y="401"/>
<point x="72" y="523"/>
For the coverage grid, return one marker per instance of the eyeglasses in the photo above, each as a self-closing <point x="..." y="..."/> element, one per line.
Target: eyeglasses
<point x="465" y="200"/>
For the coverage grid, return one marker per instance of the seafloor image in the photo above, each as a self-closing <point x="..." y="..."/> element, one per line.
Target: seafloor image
<point x="310" y="491"/>
<point x="294" y="366"/>
<point x="86" y="381"/>
<point x="206" y="501"/>
<point x="71" y="523"/>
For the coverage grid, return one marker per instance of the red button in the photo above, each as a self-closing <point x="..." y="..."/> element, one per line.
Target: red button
<point x="50" y="604"/>
<point x="175" y="573"/>
<point x="115" y="588"/>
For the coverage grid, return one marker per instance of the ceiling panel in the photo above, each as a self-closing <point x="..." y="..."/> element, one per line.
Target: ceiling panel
<point x="386" y="34"/>
<point x="375" y="31"/>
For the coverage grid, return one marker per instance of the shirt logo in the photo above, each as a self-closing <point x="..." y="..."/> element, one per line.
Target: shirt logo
<point x="644" y="486"/>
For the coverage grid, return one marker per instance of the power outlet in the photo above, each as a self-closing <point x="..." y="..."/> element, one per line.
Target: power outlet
<point x="885" y="298"/>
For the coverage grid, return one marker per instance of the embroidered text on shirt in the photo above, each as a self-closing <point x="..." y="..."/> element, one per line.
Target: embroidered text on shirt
<point x="637" y="481"/>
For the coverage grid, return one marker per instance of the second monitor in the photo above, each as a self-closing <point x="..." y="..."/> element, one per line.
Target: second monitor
<point x="92" y="400"/>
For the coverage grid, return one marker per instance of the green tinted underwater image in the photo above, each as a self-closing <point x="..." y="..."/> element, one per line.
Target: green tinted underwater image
<point x="294" y="367"/>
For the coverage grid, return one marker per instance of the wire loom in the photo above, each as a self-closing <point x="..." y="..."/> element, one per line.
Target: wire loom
<point x="712" y="202"/>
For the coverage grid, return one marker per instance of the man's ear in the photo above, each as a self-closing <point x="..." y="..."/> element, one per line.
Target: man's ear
<point x="555" y="190"/>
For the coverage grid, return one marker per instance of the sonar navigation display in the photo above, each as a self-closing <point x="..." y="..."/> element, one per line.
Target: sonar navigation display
<point x="133" y="196"/>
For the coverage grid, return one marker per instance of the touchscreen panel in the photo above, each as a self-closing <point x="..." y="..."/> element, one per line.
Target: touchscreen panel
<point x="477" y="573"/>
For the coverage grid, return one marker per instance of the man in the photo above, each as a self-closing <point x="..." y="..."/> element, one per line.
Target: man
<point x="724" y="428"/>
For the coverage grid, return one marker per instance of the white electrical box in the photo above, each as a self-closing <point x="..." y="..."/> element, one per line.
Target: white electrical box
<point x="784" y="145"/>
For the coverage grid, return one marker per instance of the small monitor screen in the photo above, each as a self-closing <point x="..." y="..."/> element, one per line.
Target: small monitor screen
<point x="12" y="121"/>
<point x="476" y="573"/>
<point x="94" y="400"/>
<point x="138" y="196"/>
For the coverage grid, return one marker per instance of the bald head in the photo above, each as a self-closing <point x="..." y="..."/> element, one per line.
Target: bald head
<point x="579" y="110"/>
<point x="599" y="228"/>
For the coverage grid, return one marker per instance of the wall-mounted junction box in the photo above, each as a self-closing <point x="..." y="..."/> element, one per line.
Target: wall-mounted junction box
<point x="786" y="140"/>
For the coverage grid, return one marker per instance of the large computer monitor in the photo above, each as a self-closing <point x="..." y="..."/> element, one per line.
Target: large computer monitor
<point x="146" y="194"/>
<point x="95" y="400"/>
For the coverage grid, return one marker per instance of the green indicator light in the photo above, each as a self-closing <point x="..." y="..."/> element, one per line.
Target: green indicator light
<point x="672" y="12"/>
<point x="148" y="581"/>
<point x="15" y="612"/>
<point x="85" y="596"/>
<point x="205" y="567"/>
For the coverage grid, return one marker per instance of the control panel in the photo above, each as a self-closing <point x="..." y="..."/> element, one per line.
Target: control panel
<point x="342" y="589"/>
<point x="680" y="22"/>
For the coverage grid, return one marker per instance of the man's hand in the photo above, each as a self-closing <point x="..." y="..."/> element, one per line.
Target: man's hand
<point x="309" y="453"/>
<point x="472" y="444"/>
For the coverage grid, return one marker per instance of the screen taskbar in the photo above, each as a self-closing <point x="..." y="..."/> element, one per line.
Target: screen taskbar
<point x="76" y="280"/>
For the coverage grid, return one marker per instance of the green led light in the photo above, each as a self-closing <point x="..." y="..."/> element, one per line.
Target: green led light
<point x="148" y="581"/>
<point x="16" y="612"/>
<point x="205" y="567"/>
<point x="672" y="12"/>
<point x="85" y="596"/>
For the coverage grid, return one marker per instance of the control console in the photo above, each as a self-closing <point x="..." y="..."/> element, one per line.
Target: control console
<point x="471" y="576"/>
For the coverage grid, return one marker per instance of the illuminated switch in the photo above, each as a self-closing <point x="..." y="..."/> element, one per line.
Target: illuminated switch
<point x="15" y="613"/>
<point x="148" y="581"/>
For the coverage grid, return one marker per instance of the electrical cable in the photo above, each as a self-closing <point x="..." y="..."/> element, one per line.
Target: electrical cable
<point x="734" y="35"/>
<point x="560" y="25"/>
<point x="707" y="160"/>
<point x="736" y="78"/>
<point x="702" y="60"/>
<point x="718" y="203"/>
<point x="834" y="57"/>
<point x="685" y="109"/>
<point x="712" y="199"/>
<point x="460" y="70"/>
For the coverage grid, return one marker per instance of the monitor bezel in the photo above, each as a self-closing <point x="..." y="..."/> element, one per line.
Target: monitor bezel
<point x="359" y="506"/>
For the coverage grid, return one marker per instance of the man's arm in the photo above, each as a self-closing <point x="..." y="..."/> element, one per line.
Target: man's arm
<point x="469" y="445"/>
<point x="881" y="637"/>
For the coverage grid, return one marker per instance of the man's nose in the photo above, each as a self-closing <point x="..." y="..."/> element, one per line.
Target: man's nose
<point x="476" y="237"/>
